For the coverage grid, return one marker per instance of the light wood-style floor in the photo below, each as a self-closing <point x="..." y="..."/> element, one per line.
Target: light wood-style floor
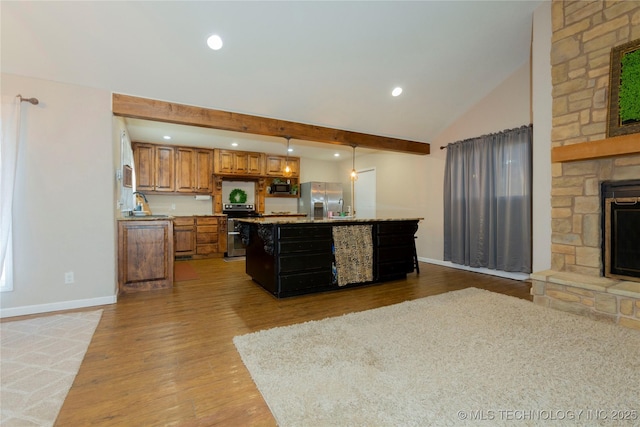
<point x="166" y="358"/>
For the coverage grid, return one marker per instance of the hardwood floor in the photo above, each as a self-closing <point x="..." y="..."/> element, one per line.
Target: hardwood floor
<point x="166" y="357"/>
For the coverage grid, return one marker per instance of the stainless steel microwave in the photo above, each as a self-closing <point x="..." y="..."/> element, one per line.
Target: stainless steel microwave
<point x="280" y="188"/>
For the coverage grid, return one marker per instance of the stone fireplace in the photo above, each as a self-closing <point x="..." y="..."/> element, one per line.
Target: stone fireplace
<point x="584" y="158"/>
<point x="620" y="204"/>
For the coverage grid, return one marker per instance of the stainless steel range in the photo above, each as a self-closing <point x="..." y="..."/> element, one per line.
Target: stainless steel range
<point x="235" y="247"/>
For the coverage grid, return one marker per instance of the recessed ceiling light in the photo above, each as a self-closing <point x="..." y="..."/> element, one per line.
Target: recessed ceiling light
<point x="336" y="155"/>
<point x="166" y="137"/>
<point x="214" y="42"/>
<point x="235" y="144"/>
<point x="290" y="149"/>
<point x="397" y="91"/>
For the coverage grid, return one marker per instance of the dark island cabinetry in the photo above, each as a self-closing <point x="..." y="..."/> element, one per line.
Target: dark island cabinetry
<point x="297" y="257"/>
<point x="305" y="257"/>
<point x="394" y="248"/>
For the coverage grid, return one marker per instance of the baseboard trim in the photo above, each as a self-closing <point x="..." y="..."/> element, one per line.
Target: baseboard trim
<point x="57" y="306"/>
<point x="499" y="273"/>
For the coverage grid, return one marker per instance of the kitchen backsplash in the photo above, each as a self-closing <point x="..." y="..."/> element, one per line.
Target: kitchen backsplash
<point x="248" y="187"/>
<point x="179" y="205"/>
<point x="274" y="204"/>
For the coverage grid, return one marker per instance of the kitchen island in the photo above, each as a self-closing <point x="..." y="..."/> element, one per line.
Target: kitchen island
<point x="293" y="256"/>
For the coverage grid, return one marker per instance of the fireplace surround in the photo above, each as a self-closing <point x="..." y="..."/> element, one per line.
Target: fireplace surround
<point x="610" y="292"/>
<point x="620" y="204"/>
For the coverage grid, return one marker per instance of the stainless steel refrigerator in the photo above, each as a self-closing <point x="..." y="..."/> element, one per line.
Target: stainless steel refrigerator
<point x="318" y="198"/>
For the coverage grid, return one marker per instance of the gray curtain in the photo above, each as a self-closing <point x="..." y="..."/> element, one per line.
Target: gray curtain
<point x="487" y="201"/>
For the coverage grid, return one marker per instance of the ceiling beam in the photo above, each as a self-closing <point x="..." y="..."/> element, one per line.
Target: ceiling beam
<point x="169" y="112"/>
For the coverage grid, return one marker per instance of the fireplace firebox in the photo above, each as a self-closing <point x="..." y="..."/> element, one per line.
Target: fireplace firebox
<point x="621" y="229"/>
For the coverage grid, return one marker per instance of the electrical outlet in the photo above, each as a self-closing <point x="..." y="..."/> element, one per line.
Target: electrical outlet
<point x="68" y="277"/>
<point x="173" y="206"/>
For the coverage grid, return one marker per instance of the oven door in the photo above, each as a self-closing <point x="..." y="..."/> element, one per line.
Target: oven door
<point x="234" y="242"/>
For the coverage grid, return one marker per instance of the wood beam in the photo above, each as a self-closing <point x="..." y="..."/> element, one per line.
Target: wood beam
<point x="162" y="111"/>
<point x="609" y="147"/>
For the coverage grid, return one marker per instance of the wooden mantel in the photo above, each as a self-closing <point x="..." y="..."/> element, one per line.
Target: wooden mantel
<point x="161" y="111"/>
<point x="609" y="147"/>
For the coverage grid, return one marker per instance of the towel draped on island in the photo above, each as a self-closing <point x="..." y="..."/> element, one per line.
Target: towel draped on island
<point x="353" y="251"/>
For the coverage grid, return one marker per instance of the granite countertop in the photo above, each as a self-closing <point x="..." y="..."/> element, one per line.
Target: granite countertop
<point x="283" y="214"/>
<point x="162" y="217"/>
<point x="202" y="215"/>
<point x="147" y="218"/>
<point x="334" y="220"/>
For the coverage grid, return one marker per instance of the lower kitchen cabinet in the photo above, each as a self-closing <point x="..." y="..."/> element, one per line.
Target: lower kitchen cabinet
<point x="199" y="237"/>
<point x="145" y="255"/>
<point x="206" y="236"/>
<point x="394" y="246"/>
<point x="305" y="258"/>
<point x="184" y="233"/>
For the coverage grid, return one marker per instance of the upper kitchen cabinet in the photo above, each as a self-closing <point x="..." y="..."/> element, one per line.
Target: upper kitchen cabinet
<point x="274" y="165"/>
<point x="193" y="170"/>
<point x="166" y="169"/>
<point x="155" y="167"/>
<point x="230" y="162"/>
<point x="204" y="171"/>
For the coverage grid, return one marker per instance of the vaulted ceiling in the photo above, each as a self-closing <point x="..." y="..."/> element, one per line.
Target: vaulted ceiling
<point x="327" y="63"/>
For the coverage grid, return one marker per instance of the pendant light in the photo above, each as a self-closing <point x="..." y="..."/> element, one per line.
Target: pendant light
<point x="287" y="169"/>
<point x="354" y="174"/>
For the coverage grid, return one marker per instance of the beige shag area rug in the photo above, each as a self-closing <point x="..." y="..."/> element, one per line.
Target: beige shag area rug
<point x="39" y="359"/>
<point x="470" y="357"/>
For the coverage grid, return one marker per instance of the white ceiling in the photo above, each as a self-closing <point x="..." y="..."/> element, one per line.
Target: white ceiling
<point x="329" y="63"/>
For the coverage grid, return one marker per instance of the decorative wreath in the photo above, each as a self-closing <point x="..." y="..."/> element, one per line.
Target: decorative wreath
<point x="237" y="196"/>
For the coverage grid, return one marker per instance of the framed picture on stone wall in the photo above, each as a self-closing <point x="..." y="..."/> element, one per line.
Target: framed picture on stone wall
<point x="624" y="90"/>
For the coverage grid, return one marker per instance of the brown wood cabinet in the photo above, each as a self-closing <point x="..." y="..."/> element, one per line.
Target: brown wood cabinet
<point x="193" y="170"/>
<point x="184" y="234"/>
<point x="206" y="236"/>
<point x="203" y="171"/>
<point x="274" y="165"/>
<point x="167" y="169"/>
<point x="185" y="176"/>
<point x="230" y="162"/>
<point x="155" y="167"/>
<point x="145" y="255"/>
<point x="199" y="236"/>
<point x="144" y="156"/>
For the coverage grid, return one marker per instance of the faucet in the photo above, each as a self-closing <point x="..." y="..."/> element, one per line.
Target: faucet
<point x="138" y="206"/>
<point x="142" y="194"/>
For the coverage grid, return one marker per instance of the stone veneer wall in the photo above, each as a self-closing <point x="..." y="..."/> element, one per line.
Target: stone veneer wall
<point x="583" y="34"/>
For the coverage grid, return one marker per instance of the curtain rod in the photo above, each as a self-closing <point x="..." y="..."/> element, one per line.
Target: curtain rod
<point x="33" y="101"/>
<point x="442" y="147"/>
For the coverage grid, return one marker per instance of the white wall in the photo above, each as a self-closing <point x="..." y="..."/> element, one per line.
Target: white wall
<point x="320" y="170"/>
<point x="542" y="115"/>
<point x="63" y="214"/>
